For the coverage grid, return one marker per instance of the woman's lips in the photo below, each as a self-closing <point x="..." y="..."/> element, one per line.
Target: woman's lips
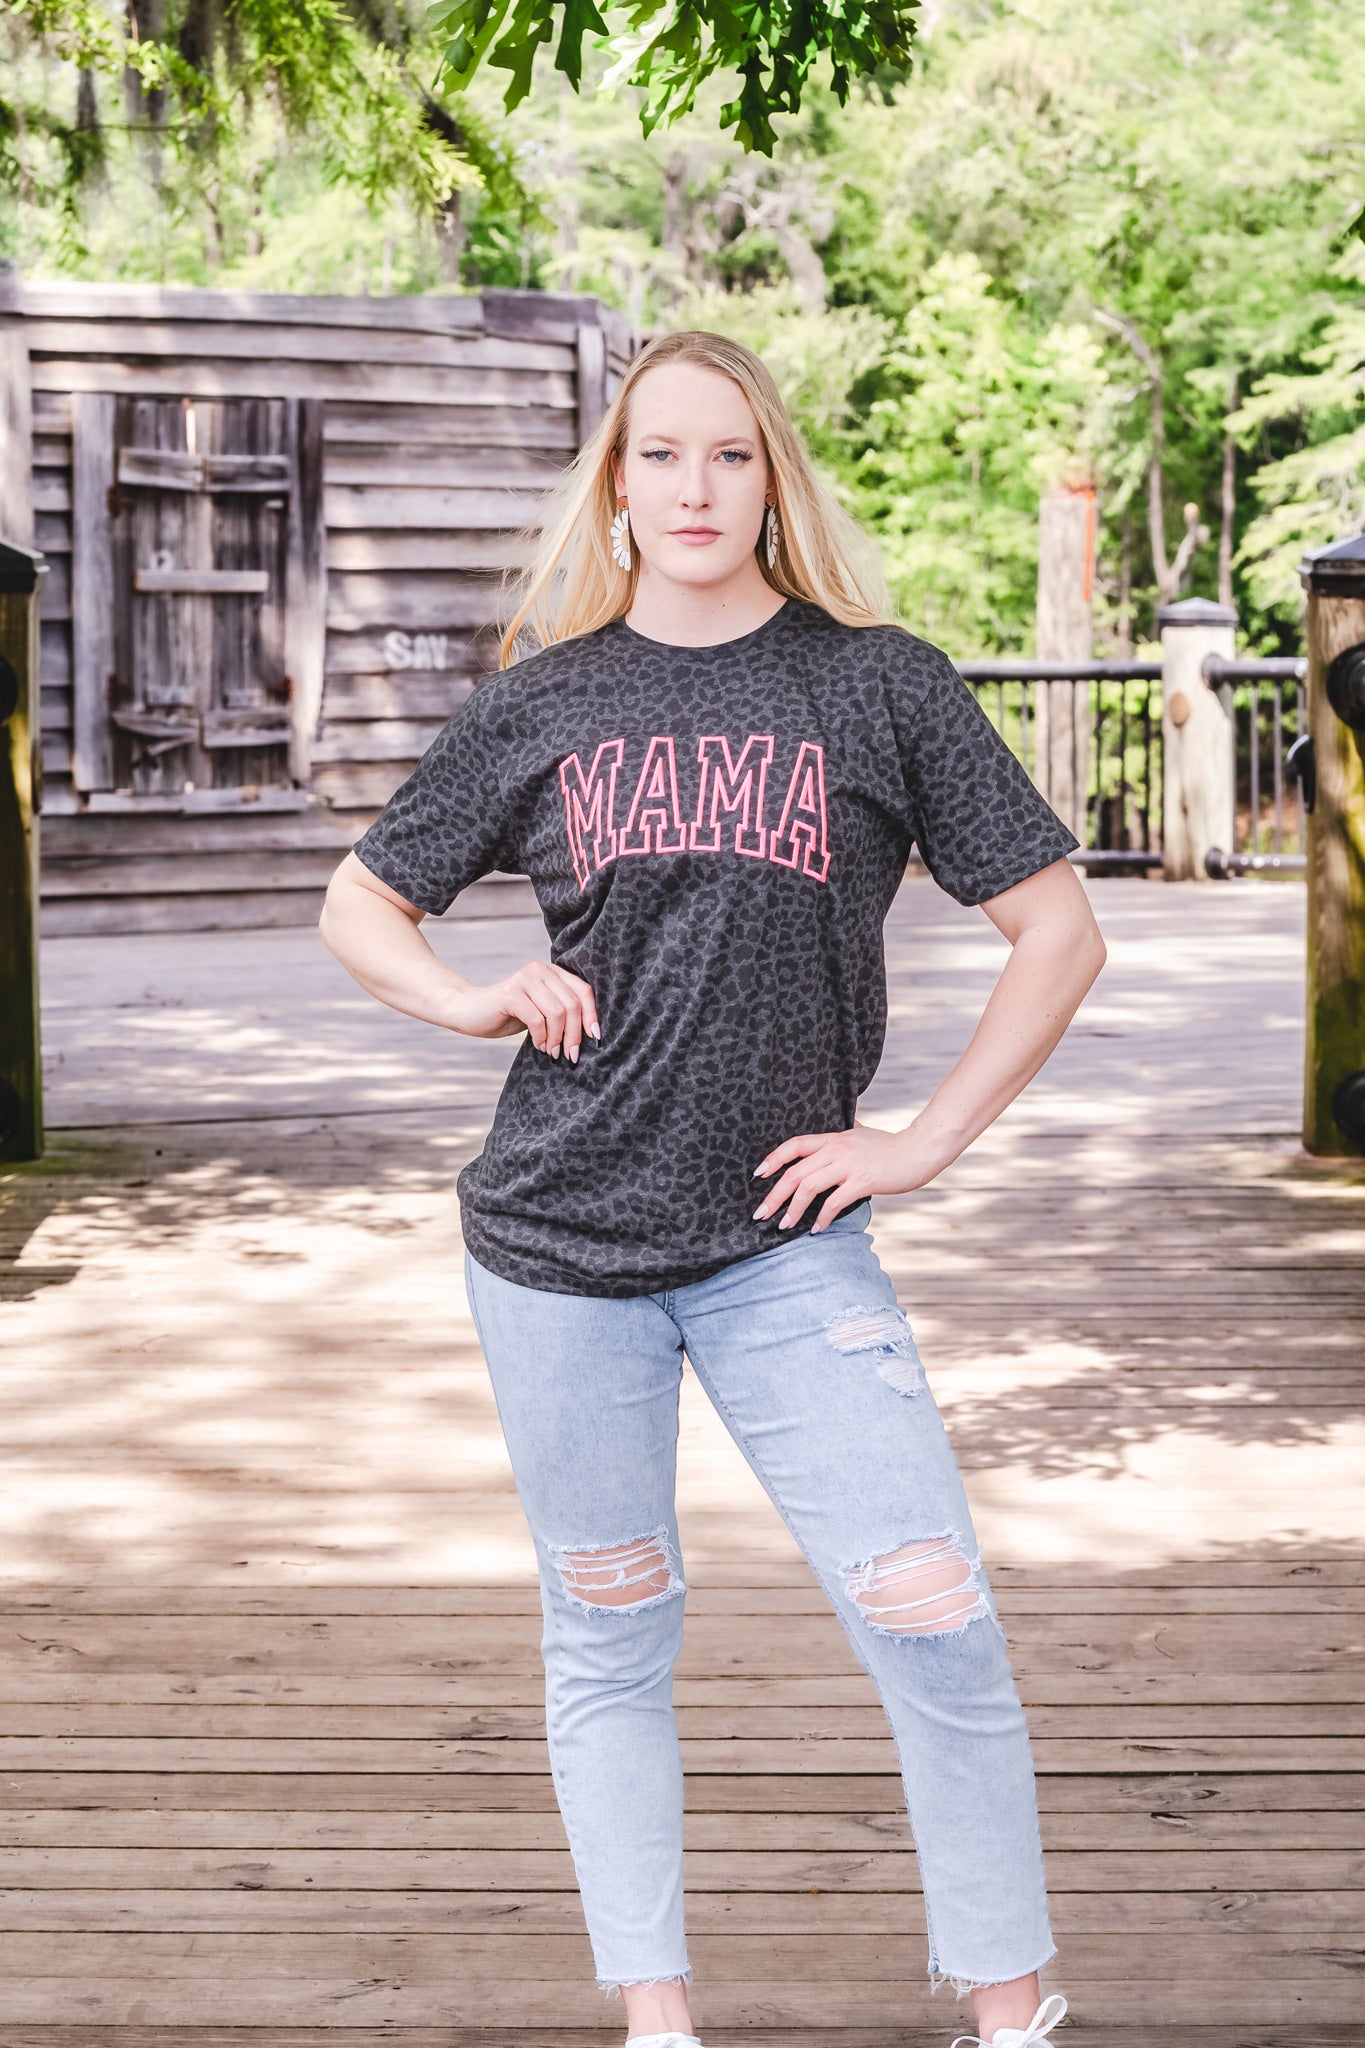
<point x="695" y="536"/>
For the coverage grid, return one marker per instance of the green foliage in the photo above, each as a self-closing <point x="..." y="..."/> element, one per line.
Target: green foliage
<point x="205" y="107"/>
<point x="668" y="49"/>
<point x="971" y="282"/>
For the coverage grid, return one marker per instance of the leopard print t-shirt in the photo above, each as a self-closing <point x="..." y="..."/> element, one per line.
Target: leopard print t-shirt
<point x="714" y="835"/>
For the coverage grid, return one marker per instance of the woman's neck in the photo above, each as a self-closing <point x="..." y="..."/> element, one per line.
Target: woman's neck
<point x="701" y="615"/>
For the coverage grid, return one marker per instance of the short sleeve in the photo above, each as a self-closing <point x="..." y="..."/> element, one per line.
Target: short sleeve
<point x="978" y="820"/>
<point x="447" y="824"/>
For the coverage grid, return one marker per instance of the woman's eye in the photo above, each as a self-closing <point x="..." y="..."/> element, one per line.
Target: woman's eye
<point x="739" y="454"/>
<point x="650" y="453"/>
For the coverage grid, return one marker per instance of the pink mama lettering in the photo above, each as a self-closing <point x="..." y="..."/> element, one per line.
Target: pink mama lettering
<point x="731" y="812"/>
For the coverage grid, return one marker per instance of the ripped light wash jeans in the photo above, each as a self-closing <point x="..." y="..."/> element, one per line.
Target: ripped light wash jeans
<point x="812" y="1365"/>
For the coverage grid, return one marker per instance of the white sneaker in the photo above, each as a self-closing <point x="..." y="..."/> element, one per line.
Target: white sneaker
<point x="1037" y="2029"/>
<point x="663" y="2041"/>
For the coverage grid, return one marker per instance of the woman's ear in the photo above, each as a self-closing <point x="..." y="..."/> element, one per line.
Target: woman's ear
<point x="618" y="476"/>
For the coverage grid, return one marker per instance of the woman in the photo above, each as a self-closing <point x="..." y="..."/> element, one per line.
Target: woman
<point x="712" y="770"/>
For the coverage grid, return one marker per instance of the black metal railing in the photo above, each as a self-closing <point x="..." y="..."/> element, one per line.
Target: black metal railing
<point x="1265" y="700"/>
<point x="1121" y="774"/>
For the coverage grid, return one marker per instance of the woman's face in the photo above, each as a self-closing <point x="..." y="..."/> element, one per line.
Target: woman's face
<point x="695" y="474"/>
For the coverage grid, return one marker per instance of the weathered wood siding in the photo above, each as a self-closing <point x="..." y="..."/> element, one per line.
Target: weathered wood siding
<point x="441" y="419"/>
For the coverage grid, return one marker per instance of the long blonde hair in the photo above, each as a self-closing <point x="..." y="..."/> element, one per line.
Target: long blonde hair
<point x="572" y="584"/>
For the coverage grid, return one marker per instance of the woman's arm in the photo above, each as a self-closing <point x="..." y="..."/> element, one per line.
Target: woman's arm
<point x="1056" y="951"/>
<point x="375" y="934"/>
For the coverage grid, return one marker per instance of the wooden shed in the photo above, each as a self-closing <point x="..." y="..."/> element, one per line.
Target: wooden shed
<point x="275" y="526"/>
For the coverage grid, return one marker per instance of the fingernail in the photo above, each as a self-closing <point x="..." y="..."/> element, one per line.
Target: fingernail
<point x="594" y="1030"/>
<point x="759" y="1214"/>
<point x="574" y="1055"/>
<point x="757" y="1171"/>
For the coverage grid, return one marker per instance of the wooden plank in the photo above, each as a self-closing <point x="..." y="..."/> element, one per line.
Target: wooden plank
<point x="449" y="389"/>
<point x="202" y="582"/>
<point x="441" y="552"/>
<point x="141" y="832"/>
<point x="409" y="694"/>
<point x="457" y="652"/>
<point x="410" y="600"/>
<point x="52" y="414"/>
<point x="806" y="1911"/>
<point x="52" y="533"/>
<point x="490" y="900"/>
<point x="1321" y="1589"/>
<point x="92" y="590"/>
<point x="375" y="507"/>
<point x="305" y="617"/>
<point x="444" y="312"/>
<point x="537" y="315"/>
<point x="447" y="466"/>
<point x="701" y="1754"/>
<point x="377" y="739"/>
<point x="187" y="873"/>
<point x="54" y="653"/>
<point x="51" y="490"/>
<point x="753" y="2034"/>
<point x="16" y="435"/>
<point x="57" y="593"/>
<point x="184" y="341"/>
<point x="269" y="1792"/>
<point x="382" y="427"/>
<point x="592" y="380"/>
<point x="56" y="711"/>
<point x="384" y="2006"/>
<point x="800" y="1645"/>
<point x="250" y="799"/>
<point x="830" y="1957"/>
<point x="882" y="1836"/>
<point x="361" y="785"/>
<point x="38" y="1705"/>
<point x="92" y="917"/>
<point x="173" y="469"/>
<point x="771" y="1870"/>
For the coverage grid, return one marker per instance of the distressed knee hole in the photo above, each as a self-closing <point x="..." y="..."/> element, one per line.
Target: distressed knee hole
<point x="922" y="1588"/>
<point x="882" y="1328"/>
<point x="605" y="1576"/>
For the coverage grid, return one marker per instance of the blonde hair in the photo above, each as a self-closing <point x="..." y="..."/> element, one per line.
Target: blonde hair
<point x="572" y="584"/>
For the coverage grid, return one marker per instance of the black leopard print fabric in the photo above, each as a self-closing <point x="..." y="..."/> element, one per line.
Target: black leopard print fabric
<point x="715" y="835"/>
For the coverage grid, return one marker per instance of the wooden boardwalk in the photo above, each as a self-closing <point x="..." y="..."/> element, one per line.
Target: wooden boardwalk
<point x="273" y="1769"/>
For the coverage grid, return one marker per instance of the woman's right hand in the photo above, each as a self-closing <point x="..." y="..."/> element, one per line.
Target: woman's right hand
<point x="556" y="1007"/>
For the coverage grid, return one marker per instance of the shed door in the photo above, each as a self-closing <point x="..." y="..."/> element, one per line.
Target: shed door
<point x="197" y="541"/>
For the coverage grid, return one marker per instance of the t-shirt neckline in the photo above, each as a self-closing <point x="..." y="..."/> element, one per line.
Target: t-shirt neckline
<point x="707" y="646"/>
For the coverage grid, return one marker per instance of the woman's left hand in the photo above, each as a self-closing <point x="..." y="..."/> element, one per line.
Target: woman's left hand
<point x="851" y="1165"/>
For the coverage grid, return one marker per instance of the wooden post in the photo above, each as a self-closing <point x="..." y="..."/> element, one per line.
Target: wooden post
<point x="1334" y="1071"/>
<point x="305" y="617"/>
<point x="21" y="1068"/>
<point x="1197" y="738"/>
<point x="1066" y="554"/>
<point x="16" y="417"/>
<point x="92" y="589"/>
<point x="592" y="379"/>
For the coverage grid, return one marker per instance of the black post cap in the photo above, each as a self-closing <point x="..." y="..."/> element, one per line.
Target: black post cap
<point x="20" y="568"/>
<point x="1338" y="571"/>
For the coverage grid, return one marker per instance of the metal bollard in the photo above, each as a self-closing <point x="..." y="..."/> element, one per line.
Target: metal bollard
<point x="21" y="768"/>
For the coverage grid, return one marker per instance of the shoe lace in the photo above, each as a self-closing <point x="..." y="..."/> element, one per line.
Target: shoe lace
<point x="1019" y="2037"/>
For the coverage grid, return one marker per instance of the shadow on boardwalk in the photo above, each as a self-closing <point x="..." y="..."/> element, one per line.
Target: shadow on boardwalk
<point x="274" y="1770"/>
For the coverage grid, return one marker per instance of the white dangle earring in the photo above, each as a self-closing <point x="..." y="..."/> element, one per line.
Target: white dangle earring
<point x="620" y="538"/>
<point x="774" y="535"/>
